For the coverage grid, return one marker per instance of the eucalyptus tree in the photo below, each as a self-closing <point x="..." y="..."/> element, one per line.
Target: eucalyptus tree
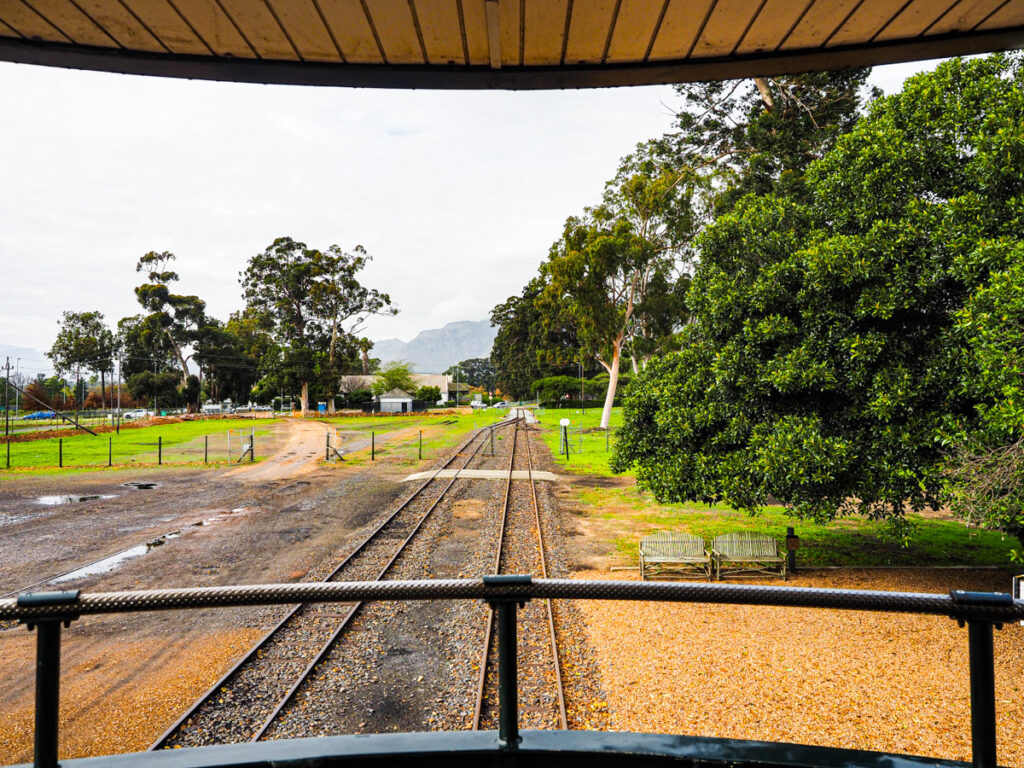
<point x="345" y="304"/>
<point x="178" y="316"/>
<point x="83" y="341"/>
<point x="305" y="297"/>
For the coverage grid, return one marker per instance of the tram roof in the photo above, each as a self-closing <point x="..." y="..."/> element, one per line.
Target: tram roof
<point x="511" y="44"/>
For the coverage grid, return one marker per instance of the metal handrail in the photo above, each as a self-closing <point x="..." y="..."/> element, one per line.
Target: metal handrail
<point x="994" y="607"/>
<point x="49" y="611"/>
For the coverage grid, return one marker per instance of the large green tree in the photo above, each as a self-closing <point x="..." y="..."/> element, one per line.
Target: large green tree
<point x="824" y="365"/>
<point x="305" y="297"/>
<point x="83" y="342"/>
<point x="179" y="316"/>
<point x="528" y="345"/>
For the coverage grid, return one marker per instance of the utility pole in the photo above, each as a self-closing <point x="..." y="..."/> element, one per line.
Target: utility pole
<point x="7" y="398"/>
<point x="17" y="393"/>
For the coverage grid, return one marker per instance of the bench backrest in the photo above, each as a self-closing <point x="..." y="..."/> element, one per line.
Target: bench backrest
<point x="746" y="544"/>
<point x="668" y="544"/>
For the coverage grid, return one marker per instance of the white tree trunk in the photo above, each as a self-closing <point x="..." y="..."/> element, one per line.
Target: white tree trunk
<point x="613" y="383"/>
<point x="636" y="368"/>
<point x="304" y="398"/>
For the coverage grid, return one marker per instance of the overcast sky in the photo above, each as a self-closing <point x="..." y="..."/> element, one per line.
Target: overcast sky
<point x="456" y="195"/>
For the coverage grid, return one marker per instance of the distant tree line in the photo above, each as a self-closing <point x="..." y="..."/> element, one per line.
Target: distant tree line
<point x="297" y="334"/>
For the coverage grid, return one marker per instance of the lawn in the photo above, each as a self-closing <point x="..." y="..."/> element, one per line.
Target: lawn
<point x="184" y="442"/>
<point x="622" y="514"/>
<point x="589" y="445"/>
<point x="397" y="438"/>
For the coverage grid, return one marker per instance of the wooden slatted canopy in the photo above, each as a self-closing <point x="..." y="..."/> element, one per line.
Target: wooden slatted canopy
<point x="495" y="43"/>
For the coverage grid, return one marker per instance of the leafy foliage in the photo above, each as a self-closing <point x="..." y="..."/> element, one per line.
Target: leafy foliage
<point x="823" y="365"/>
<point x="395" y="375"/>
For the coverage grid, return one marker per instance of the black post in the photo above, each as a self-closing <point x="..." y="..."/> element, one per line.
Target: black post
<point x="110" y="451"/>
<point x="47" y="692"/>
<point x="159" y="449"/>
<point x="252" y="447"/>
<point x="206" y="449"/>
<point x="327" y="445"/>
<point x="421" y="445"/>
<point x="373" y="446"/>
<point x="8" y="453"/>
<point x="983" y="694"/>
<point x="60" y="451"/>
<point x="792" y="541"/>
<point x="508" y="675"/>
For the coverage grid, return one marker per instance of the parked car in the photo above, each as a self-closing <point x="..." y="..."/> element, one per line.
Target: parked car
<point x="138" y="413"/>
<point x="500" y="404"/>
<point x="478" y="404"/>
<point x="39" y="415"/>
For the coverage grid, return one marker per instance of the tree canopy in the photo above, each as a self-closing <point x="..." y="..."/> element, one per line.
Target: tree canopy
<point x="828" y="361"/>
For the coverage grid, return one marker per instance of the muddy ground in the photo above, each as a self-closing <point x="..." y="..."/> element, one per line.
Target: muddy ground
<point x="126" y="677"/>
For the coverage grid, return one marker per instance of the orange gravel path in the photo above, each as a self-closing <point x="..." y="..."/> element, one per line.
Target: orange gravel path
<point x="116" y="696"/>
<point x="887" y="682"/>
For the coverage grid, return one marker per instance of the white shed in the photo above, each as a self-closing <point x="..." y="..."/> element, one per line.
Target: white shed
<point x="395" y="401"/>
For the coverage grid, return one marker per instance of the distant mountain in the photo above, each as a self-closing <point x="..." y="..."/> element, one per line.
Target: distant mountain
<point x="437" y="350"/>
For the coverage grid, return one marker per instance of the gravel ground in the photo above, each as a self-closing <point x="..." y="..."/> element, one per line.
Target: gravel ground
<point x="406" y="666"/>
<point x="888" y="682"/>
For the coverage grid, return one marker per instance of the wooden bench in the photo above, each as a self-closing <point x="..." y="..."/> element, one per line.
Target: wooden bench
<point x="667" y="552"/>
<point x="747" y="555"/>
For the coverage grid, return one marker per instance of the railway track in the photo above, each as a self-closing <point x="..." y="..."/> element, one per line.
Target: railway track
<point x="521" y="549"/>
<point x="246" y="701"/>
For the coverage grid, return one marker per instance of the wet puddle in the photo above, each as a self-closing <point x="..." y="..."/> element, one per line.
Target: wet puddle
<point x="115" y="561"/>
<point x="139" y="485"/>
<point x="53" y="501"/>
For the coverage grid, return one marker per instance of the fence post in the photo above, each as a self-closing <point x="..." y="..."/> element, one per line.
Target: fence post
<point x="252" y="447"/>
<point x="327" y="445"/>
<point x="421" y="445"/>
<point x="60" y="451"/>
<point x="373" y="446"/>
<point x="110" y="451"/>
<point x="8" y="453"/>
<point x="159" y="450"/>
<point x="206" y="449"/>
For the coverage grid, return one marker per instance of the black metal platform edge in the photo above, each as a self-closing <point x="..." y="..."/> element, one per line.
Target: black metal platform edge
<point x="538" y="748"/>
<point x="73" y="56"/>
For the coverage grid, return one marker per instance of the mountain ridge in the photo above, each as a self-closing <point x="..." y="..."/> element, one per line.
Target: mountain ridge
<point x="437" y="349"/>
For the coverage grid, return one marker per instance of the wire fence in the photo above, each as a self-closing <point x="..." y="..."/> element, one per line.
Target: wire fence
<point x="138" y="447"/>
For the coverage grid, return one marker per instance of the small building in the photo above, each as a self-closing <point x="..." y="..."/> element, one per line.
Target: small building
<point x="395" y="401"/>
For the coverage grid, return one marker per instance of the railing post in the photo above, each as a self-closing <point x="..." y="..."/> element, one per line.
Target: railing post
<point x="983" y="694"/>
<point x="983" y="680"/>
<point x="47" y="724"/>
<point x="508" y="662"/>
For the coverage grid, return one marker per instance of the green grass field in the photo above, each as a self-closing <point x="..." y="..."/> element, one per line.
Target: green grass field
<point x="589" y="446"/>
<point x="185" y="442"/>
<point x="440" y="433"/>
<point x="627" y="513"/>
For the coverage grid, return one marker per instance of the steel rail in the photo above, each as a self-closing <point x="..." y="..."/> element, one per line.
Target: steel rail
<point x="563" y="717"/>
<point x="478" y="708"/>
<point x="162" y="740"/>
<point x="481" y="681"/>
<point x="326" y="647"/>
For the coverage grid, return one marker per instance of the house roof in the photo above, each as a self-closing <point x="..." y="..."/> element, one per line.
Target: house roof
<point x="496" y="43"/>
<point x="396" y="394"/>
